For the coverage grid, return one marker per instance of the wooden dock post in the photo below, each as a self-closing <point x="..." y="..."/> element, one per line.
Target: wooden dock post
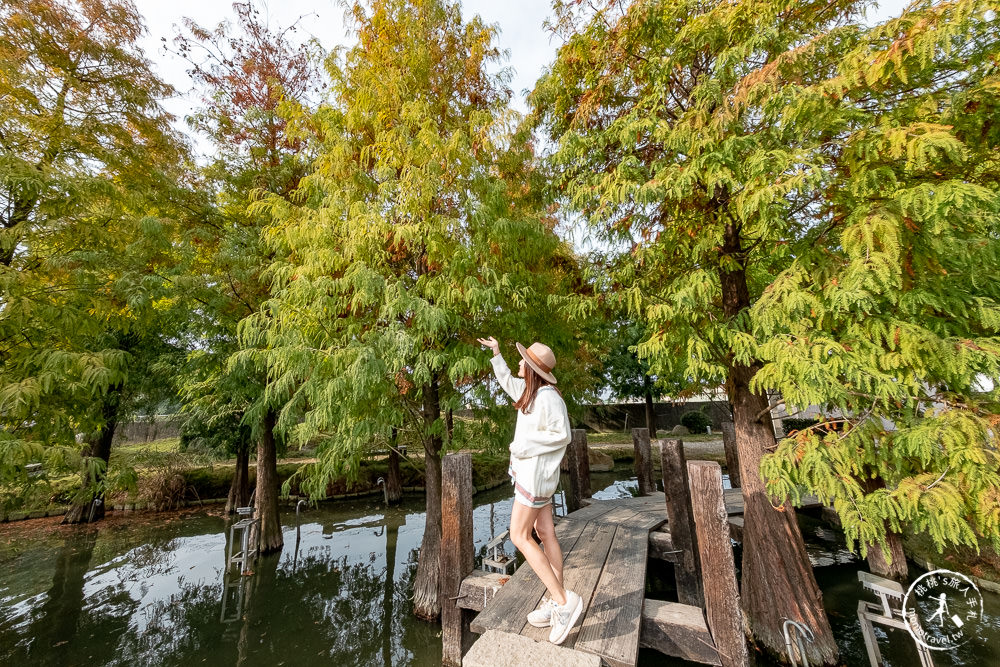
<point x="578" y="460"/>
<point x="680" y="521"/>
<point x="457" y="557"/>
<point x="732" y="457"/>
<point x="643" y="461"/>
<point x="715" y="551"/>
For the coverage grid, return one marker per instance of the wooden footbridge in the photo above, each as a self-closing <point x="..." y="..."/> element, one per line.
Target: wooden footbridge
<point x="606" y="546"/>
<point x="604" y="549"/>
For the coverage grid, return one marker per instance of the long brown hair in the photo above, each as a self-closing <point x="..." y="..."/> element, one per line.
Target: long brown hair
<point x="532" y="383"/>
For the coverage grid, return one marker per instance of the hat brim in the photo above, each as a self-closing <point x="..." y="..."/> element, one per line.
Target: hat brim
<point x="545" y="374"/>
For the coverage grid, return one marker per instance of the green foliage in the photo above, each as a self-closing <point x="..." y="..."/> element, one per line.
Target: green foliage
<point x="696" y="421"/>
<point x="791" y="424"/>
<point x="245" y="71"/>
<point x="417" y="230"/>
<point x="88" y="179"/>
<point x="849" y="175"/>
<point x="890" y="319"/>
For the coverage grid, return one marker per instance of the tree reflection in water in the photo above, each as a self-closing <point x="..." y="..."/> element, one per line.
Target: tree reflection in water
<point x="148" y="590"/>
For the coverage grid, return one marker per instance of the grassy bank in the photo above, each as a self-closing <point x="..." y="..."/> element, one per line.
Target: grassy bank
<point x="625" y="438"/>
<point x="983" y="564"/>
<point x="167" y="478"/>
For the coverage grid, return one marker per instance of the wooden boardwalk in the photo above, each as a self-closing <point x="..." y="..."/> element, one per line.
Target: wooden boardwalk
<point x="605" y="547"/>
<point x="604" y="553"/>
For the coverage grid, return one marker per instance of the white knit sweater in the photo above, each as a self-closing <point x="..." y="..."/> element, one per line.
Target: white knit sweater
<point x="540" y="437"/>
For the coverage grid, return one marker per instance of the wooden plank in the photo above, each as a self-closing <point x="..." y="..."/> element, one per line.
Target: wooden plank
<point x="503" y="649"/>
<point x="479" y="588"/>
<point x="643" y="461"/>
<point x="648" y="520"/>
<point x="613" y="621"/>
<point x="592" y="511"/>
<point x="509" y="608"/>
<point x="652" y="502"/>
<point x="457" y="558"/>
<point x="581" y="572"/>
<point x="578" y="460"/>
<point x="677" y="502"/>
<point x="619" y="515"/>
<point x="733" y="499"/>
<point x="715" y="552"/>
<point x="678" y="630"/>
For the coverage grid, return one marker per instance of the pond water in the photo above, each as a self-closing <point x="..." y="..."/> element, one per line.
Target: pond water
<point x="152" y="589"/>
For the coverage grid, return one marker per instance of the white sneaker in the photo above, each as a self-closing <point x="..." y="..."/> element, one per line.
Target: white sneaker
<point x="542" y="617"/>
<point x="564" y="617"/>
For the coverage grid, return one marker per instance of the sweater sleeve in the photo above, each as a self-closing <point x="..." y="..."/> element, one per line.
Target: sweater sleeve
<point x="552" y="432"/>
<point x="510" y="384"/>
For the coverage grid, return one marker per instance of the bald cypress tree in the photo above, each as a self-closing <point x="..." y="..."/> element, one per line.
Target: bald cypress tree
<point x="416" y="231"/>
<point x="89" y="173"/>
<point x="661" y="151"/>
<point x="809" y="205"/>
<point x="889" y="316"/>
<point x="244" y="72"/>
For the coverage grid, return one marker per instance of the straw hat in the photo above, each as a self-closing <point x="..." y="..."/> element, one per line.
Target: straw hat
<point x="540" y="358"/>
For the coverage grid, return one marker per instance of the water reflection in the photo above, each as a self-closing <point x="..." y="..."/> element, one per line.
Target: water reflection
<point x="155" y="590"/>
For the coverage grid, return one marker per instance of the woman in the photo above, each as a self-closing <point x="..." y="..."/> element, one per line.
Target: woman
<point x="540" y="440"/>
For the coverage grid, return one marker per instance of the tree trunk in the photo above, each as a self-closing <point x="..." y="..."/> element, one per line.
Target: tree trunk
<point x="266" y="495"/>
<point x="878" y="564"/>
<point x="778" y="580"/>
<point x="394" y="480"/>
<point x="650" y="412"/>
<point x="449" y="420"/>
<point x="426" y="603"/>
<point x="57" y="622"/>
<point x="90" y="506"/>
<point x="393" y="520"/>
<point x="239" y="490"/>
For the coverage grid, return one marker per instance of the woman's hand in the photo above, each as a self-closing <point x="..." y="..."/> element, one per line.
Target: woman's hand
<point x="491" y="343"/>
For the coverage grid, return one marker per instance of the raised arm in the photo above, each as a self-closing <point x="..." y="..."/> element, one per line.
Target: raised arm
<point x="510" y="384"/>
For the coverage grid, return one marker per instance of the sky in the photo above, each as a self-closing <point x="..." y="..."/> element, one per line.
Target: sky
<point x="531" y="46"/>
<point x="522" y="33"/>
<point x="520" y="21"/>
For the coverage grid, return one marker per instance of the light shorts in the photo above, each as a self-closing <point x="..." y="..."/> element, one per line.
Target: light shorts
<point x="522" y="496"/>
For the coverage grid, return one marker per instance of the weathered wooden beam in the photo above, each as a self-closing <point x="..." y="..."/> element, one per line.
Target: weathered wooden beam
<point x="678" y="630"/>
<point x="736" y="528"/>
<point x="677" y="497"/>
<point x="715" y="552"/>
<point x="479" y="588"/>
<point x="672" y="629"/>
<point x="661" y="547"/>
<point x="578" y="458"/>
<point x="643" y="461"/>
<point x="507" y="649"/>
<point x="732" y="457"/>
<point x="457" y="557"/>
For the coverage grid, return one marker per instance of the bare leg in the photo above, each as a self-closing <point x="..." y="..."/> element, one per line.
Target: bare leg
<point x="522" y="518"/>
<point x="550" y="545"/>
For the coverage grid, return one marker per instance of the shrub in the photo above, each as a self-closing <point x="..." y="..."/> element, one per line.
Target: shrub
<point x="695" y="421"/>
<point x="791" y="424"/>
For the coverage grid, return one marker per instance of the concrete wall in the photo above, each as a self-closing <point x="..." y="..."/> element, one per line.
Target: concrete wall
<point x="612" y="416"/>
<point x="148" y="429"/>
